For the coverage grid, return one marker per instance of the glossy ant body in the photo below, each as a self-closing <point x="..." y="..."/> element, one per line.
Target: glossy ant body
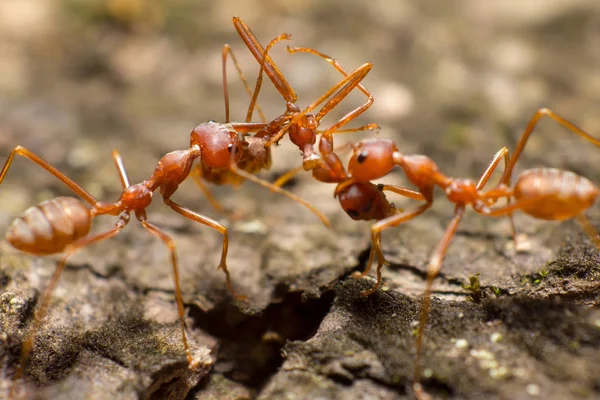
<point x="235" y="154"/>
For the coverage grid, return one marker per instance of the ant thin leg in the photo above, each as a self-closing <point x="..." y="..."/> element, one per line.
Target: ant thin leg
<point x="347" y="84"/>
<point x="157" y="232"/>
<point x="228" y="51"/>
<point x="194" y="216"/>
<point x="341" y="94"/>
<point x="332" y="61"/>
<point x="368" y="127"/>
<point x="589" y="229"/>
<point x="269" y="67"/>
<point x="411" y="194"/>
<point x="279" y="38"/>
<point x="277" y="189"/>
<point x="121" y="168"/>
<point x="197" y="176"/>
<point x="376" y="230"/>
<point x="529" y="129"/>
<point x="433" y="270"/>
<point x="22" y="151"/>
<point x="502" y="153"/>
<point x="282" y="180"/>
<point x="45" y="302"/>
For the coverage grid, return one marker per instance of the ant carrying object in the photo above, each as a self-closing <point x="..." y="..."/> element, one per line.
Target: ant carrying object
<point x="233" y="154"/>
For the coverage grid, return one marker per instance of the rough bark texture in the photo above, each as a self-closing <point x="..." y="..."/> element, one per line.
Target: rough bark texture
<point x="453" y="80"/>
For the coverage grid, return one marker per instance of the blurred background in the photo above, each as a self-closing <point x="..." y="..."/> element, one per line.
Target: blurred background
<point x="455" y="81"/>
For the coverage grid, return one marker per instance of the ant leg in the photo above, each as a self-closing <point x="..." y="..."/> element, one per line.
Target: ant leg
<point x="228" y="51"/>
<point x="194" y="216"/>
<point x="121" y="168"/>
<point x="433" y="270"/>
<point x="279" y="38"/>
<point x="340" y="95"/>
<point x="22" y="151"/>
<point x="157" y="232"/>
<point x="45" y="302"/>
<point x="197" y="175"/>
<point x="376" y="230"/>
<point x="502" y="153"/>
<point x="277" y="189"/>
<point x="343" y="87"/>
<point x="529" y="129"/>
<point x="368" y="127"/>
<point x="589" y="229"/>
<point x="268" y="65"/>
<point x="411" y="194"/>
<point x="282" y="180"/>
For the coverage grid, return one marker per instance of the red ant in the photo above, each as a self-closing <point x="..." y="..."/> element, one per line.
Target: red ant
<point x="63" y="224"/>
<point x="235" y="155"/>
<point x="544" y="193"/>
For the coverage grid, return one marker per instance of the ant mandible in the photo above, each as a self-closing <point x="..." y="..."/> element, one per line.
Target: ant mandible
<point x="236" y="157"/>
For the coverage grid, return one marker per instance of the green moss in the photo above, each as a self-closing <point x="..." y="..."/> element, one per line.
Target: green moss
<point x="474" y="288"/>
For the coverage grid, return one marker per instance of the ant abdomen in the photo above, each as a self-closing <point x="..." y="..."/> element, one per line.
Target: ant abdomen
<point x="50" y="226"/>
<point x="364" y="202"/>
<point x="561" y="194"/>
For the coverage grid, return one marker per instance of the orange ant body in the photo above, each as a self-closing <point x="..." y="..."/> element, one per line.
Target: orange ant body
<point x="236" y="155"/>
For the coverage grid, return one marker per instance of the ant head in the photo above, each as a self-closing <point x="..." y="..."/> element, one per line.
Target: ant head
<point x="303" y="133"/>
<point x="372" y="159"/>
<point x="364" y="202"/>
<point x="218" y="143"/>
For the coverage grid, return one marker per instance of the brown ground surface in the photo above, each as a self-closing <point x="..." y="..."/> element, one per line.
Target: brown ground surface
<point x="453" y="80"/>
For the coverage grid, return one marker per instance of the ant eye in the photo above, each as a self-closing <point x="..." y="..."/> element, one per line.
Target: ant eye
<point x="353" y="213"/>
<point x="362" y="156"/>
<point x="230" y="147"/>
